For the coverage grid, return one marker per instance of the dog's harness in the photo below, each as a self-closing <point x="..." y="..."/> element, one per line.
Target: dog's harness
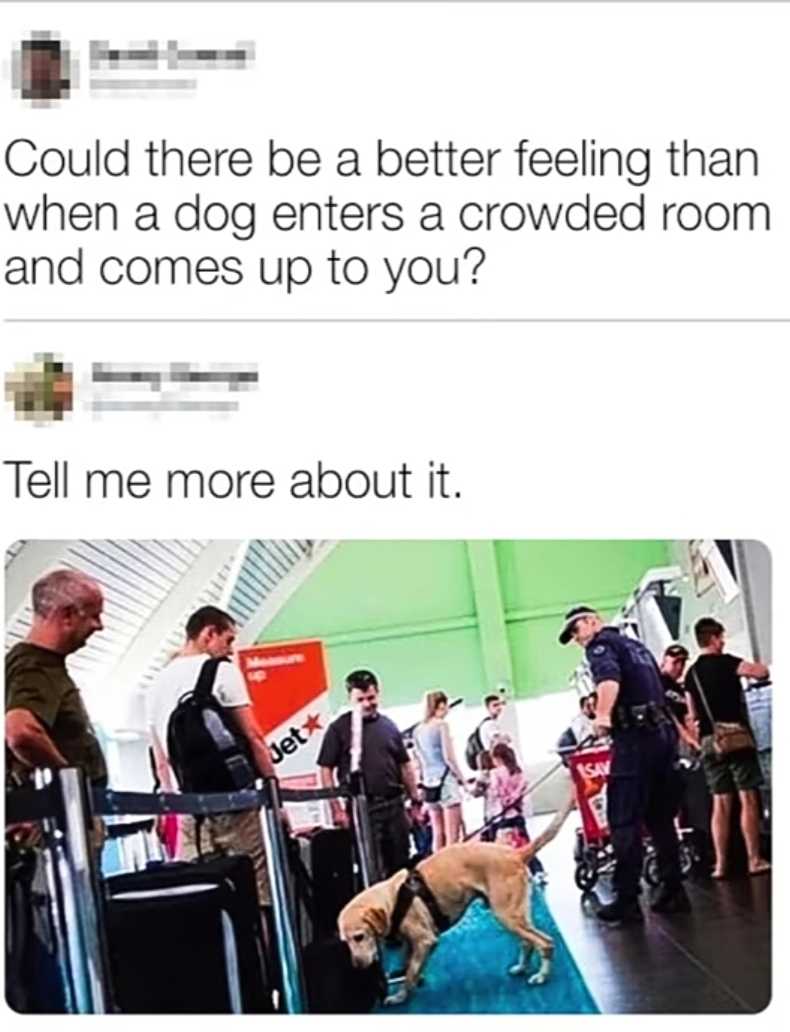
<point x="415" y="886"/>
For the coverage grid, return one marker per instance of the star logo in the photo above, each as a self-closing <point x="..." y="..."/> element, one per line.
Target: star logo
<point x="313" y="723"/>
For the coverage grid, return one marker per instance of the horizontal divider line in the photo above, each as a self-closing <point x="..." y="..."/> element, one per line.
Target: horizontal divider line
<point x="439" y="1"/>
<point x="398" y="319"/>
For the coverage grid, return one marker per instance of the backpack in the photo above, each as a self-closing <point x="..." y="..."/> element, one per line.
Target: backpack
<point x="474" y="745"/>
<point x="206" y="751"/>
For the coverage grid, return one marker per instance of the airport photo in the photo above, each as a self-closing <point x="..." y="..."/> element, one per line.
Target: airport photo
<point x="388" y="776"/>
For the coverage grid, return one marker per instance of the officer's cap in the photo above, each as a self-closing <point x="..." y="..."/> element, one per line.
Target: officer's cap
<point x="570" y="620"/>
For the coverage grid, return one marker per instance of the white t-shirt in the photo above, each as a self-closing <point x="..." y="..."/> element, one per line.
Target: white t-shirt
<point x="179" y="677"/>
<point x="491" y="733"/>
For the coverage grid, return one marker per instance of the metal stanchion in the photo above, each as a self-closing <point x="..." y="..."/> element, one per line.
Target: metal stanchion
<point x="360" y="817"/>
<point x="282" y="906"/>
<point x="56" y="872"/>
<point x="90" y="964"/>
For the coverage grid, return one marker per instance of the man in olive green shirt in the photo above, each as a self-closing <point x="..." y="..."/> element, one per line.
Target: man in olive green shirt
<point x="46" y="723"/>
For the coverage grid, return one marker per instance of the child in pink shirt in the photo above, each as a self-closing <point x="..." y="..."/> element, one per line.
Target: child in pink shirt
<point x="507" y="789"/>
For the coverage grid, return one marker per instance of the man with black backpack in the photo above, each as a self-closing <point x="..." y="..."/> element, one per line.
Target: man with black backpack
<point x="206" y="738"/>
<point x="488" y="732"/>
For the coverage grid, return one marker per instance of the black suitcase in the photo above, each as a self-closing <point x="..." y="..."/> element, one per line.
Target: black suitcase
<point x="300" y="879"/>
<point x="186" y="938"/>
<point x="334" y="881"/>
<point x="334" y="986"/>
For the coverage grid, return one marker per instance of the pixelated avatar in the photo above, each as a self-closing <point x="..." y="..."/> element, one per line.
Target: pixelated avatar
<point x="44" y="69"/>
<point x="41" y="391"/>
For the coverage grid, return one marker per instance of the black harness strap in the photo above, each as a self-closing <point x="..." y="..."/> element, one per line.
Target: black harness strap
<point x="413" y="887"/>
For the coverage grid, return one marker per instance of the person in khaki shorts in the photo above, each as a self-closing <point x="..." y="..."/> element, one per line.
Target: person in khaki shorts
<point x="715" y="693"/>
<point x="210" y="632"/>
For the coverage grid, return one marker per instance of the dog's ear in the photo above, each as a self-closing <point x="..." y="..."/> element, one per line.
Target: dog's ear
<point x="378" y="920"/>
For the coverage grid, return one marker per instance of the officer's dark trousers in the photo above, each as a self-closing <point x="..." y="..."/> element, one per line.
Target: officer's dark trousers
<point x="643" y="792"/>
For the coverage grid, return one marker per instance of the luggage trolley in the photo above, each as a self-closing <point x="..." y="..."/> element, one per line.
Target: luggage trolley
<point x="593" y="851"/>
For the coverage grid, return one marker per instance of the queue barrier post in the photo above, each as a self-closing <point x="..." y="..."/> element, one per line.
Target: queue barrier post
<point x="360" y="817"/>
<point x="294" y="994"/>
<point x="82" y="854"/>
<point x="56" y="873"/>
<point x="72" y="877"/>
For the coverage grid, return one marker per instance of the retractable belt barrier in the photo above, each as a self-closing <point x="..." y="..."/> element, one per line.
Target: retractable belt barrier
<point x="65" y="808"/>
<point x="30" y="804"/>
<point x="531" y="788"/>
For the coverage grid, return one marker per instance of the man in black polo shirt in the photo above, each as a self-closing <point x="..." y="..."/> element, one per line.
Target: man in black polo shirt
<point x="386" y="769"/>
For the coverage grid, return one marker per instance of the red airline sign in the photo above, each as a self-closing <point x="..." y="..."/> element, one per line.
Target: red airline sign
<point x="283" y="679"/>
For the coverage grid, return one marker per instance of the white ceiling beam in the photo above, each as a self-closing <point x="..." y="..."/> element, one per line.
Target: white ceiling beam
<point x="234" y="574"/>
<point x="284" y="590"/>
<point x="126" y="674"/>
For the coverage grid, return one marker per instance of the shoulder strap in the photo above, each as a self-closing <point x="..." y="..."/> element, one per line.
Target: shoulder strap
<point x="479" y="728"/>
<point x="204" y="685"/>
<point x="154" y="771"/>
<point x="704" y="698"/>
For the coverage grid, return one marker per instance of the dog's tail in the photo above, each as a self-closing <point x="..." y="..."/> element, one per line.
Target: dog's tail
<point x="533" y="847"/>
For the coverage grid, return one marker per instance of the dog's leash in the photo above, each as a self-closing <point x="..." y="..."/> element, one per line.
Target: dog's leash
<point x="532" y="788"/>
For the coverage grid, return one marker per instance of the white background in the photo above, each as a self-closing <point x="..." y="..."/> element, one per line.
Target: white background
<point x="667" y="429"/>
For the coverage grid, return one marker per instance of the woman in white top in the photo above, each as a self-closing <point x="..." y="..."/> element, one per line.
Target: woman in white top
<point x="441" y="778"/>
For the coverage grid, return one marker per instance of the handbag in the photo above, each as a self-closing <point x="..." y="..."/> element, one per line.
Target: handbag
<point x="433" y="793"/>
<point x="728" y="736"/>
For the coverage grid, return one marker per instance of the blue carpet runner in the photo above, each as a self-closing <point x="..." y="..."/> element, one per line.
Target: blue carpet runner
<point x="467" y="973"/>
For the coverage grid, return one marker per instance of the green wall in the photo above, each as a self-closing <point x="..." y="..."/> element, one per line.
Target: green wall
<point x="461" y="616"/>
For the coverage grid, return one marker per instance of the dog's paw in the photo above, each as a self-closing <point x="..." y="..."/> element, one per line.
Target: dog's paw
<point x="538" y="978"/>
<point x="396" y="998"/>
<point x="517" y="969"/>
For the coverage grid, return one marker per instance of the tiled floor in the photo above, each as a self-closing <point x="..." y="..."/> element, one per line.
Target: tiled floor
<point x="714" y="960"/>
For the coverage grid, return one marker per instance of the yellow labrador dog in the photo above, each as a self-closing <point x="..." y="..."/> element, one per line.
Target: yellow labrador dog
<point x="453" y="877"/>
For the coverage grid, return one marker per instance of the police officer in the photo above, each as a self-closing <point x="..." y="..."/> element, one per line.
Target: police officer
<point x="644" y="786"/>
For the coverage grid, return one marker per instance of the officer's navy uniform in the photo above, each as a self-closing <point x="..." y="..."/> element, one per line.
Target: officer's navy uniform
<point x="644" y="785"/>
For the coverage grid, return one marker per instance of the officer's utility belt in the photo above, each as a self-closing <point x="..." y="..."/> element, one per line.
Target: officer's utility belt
<point x="648" y="715"/>
<point x="415" y="886"/>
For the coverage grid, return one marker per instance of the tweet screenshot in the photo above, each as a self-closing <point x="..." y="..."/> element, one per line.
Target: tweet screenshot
<point x="476" y="313"/>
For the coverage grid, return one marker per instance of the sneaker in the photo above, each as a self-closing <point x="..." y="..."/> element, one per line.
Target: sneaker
<point x="620" y="911"/>
<point x="670" y="900"/>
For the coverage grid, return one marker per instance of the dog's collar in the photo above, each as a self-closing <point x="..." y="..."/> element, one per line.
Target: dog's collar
<point x="416" y="886"/>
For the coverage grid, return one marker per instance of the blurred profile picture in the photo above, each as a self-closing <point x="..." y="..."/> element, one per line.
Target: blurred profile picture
<point x="41" y="391"/>
<point x="41" y="69"/>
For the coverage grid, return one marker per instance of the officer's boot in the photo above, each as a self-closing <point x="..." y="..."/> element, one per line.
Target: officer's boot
<point x="670" y="899"/>
<point x="620" y="911"/>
